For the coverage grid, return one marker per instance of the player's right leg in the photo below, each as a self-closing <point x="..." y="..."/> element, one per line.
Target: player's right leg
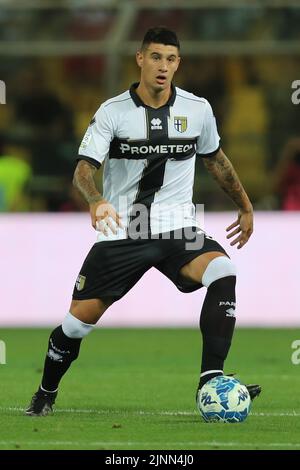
<point x="63" y="349"/>
<point x="109" y="271"/>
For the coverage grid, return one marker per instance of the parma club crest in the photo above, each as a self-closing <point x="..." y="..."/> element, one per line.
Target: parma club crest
<point x="80" y="281"/>
<point x="180" y="123"/>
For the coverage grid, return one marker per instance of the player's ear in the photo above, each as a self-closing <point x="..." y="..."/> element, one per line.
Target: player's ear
<point x="139" y="58"/>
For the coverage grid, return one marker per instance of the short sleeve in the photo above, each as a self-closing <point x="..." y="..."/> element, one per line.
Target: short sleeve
<point x="95" y="144"/>
<point x="208" y="143"/>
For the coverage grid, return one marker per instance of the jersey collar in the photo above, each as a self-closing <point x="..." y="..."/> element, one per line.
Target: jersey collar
<point x="138" y="102"/>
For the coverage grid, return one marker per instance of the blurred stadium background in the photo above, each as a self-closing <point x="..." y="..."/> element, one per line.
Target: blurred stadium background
<point x="61" y="59"/>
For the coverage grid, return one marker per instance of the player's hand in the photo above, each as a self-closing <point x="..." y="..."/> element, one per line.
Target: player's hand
<point x="105" y="217"/>
<point x="243" y="227"/>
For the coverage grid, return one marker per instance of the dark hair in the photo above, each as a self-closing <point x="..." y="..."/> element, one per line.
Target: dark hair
<point x="160" y="35"/>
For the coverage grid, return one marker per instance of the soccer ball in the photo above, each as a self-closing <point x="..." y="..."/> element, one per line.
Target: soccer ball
<point x="224" y="399"/>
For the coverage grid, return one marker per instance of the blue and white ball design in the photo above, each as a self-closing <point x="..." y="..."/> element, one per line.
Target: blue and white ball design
<point x="224" y="399"/>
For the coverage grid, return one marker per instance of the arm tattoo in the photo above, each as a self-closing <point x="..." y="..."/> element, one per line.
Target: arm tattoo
<point x="224" y="173"/>
<point x="84" y="181"/>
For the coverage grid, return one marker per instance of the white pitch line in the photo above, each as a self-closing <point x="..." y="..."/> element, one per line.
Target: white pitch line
<point x="152" y="445"/>
<point x="151" y="413"/>
<point x="289" y="413"/>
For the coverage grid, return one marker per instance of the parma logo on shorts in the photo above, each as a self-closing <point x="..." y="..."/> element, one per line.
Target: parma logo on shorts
<point x="80" y="281"/>
<point x="180" y="123"/>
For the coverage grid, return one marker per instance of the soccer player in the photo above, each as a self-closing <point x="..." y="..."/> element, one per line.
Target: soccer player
<point x="149" y="139"/>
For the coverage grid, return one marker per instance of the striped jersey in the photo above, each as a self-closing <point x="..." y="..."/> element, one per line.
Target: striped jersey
<point x="149" y="156"/>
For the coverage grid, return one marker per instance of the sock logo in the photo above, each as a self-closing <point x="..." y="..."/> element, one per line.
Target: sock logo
<point x="230" y="312"/>
<point x="55" y="353"/>
<point x="54" y="356"/>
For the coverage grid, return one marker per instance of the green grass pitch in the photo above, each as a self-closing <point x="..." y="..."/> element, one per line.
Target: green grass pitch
<point x="134" y="389"/>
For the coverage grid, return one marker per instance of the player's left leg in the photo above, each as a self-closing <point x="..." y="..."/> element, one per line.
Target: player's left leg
<point x="217" y="272"/>
<point x="206" y="264"/>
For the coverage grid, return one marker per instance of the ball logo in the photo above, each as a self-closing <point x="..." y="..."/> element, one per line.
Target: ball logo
<point x="243" y="395"/>
<point x="207" y="400"/>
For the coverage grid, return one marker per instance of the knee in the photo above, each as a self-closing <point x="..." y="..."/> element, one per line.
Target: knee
<point x="74" y="328"/>
<point x="219" y="268"/>
<point x="91" y="310"/>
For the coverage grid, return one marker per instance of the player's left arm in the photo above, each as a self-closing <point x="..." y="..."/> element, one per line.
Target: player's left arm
<point x="223" y="172"/>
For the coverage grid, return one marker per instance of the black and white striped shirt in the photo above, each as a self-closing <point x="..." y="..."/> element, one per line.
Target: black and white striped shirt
<point x="149" y="155"/>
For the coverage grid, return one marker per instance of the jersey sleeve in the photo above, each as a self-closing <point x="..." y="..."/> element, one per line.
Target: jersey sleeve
<point x="208" y="143"/>
<point x="95" y="144"/>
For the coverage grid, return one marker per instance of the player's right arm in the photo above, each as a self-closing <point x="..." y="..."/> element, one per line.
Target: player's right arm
<point x="93" y="150"/>
<point x="101" y="211"/>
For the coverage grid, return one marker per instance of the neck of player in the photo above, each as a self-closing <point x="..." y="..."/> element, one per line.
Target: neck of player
<point x="153" y="98"/>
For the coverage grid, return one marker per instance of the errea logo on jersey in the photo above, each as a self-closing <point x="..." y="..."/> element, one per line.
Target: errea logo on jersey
<point x="156" y="124"/>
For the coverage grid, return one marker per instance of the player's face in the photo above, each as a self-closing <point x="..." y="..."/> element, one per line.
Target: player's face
<point x="158" y="63"/>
